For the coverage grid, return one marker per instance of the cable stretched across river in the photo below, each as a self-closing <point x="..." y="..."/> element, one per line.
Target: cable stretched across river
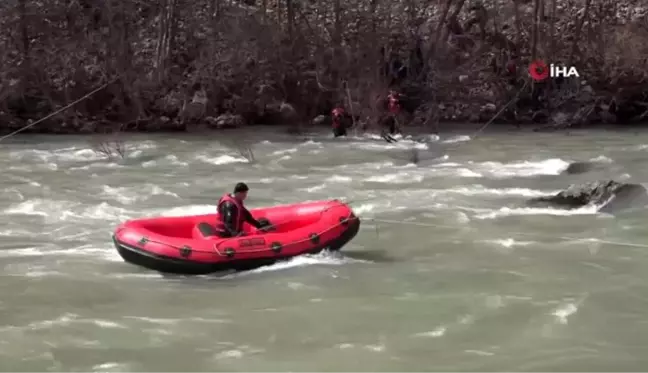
<point x="88" y="95"/>
<point x="562" y="238"/>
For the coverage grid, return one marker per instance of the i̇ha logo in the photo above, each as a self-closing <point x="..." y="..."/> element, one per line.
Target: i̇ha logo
<point x="540" y="71"/>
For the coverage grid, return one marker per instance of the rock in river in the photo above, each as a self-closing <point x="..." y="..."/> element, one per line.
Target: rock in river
<point x="582" y="167"/>
<point x="579" y="168"/>
<point x="609" y="194"/>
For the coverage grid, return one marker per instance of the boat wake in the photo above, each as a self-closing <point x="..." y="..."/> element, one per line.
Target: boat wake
<point x="324" y="258"/>
<point x="44" y="187"/>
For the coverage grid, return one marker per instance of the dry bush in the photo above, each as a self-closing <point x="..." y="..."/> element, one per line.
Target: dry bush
<point x="111" y="147"/>
<point x="242" y="148"/>
<point x="248" y="59"/>
<point x="247" y="153"/>
<point x="626" y="54"/>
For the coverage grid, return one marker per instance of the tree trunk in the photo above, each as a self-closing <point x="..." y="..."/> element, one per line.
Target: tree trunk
<point x="412" y="12"/>
<point x="579" y="29"/>
<point x="264" y="10"/>
<point x="24" y="32"/>
<point x="337" y="42"/>
<point x="215" y="9"/>
<point x="518" y="23"/>
<point x="444" y="16"/>
<point x="534" y="32"/>
<point x="166" y="37"/>
<point x="291" y="18"/>
<point x="374" y="17"/>
<point x="495" y="17"/>
<point x="453" y="16"/>
<point x="552" y="31"/>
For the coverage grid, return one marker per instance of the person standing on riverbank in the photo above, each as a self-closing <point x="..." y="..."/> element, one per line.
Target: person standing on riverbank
<point x="391" y="125"/>
<point x="341" y="122"/>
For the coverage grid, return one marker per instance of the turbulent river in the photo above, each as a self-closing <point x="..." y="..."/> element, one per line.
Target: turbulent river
<point x="450" y="271"/>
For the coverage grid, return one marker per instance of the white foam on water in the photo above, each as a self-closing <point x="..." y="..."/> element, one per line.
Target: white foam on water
<point x="500" y="170"/>
<point x="364" y="208"/>
<point x="170" y="159"/>
<point x="189" y="210"/>
<point x="128" y="195"/>
<point x="339" y="179"/>
<point x="602" y="159"/>
<point x="436" y="333"/>
<point x="221" y="159"/>
<point x="553" y="166"/>
<point x="38" y="207"/>
<point x="396" y="178"/>
<point x="479" y="352"/>
<point x="311" y="143"/>
<point x="510" y="242"/>
<point x="24" y="180"/>
<point x="103" y="211"/>
<point x="376" y="347"/>
<point x="322" y="258"/>
<point x="312" y="189"/>
<point x="71" y="318"/>
<point x="152" y="320"/>
<point x="229" y="354"/>
<point x="508" y="245"/>
<point x="480" y="190"/>
<point x="111" y="367"/>
<point x="455" y="139"/>
<point x="55" y="211"/>
<point x="30" y="252"/>
<point x="431" y="138"/>
<point x="450" y="169"/>
<point x="507" y="211"/>
<point x="128" y="276"/>
<point x="14" y="233"/>
<point x="73" y="154"/>
<point x="403" y="144"/>
<point x="563" y="312"/>
<point x="284" y="152"/>
<point x="96" y="165"/>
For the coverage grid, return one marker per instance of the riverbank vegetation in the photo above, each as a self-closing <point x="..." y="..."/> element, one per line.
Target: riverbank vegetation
<point x="180" y="65"/>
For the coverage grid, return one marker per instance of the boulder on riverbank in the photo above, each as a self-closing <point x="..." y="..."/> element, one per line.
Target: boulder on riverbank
<point x="609" y="194"/>
<point x="225" y="121"/>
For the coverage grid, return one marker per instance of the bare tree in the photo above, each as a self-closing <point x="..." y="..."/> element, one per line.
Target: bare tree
<point x="250" y="57"/>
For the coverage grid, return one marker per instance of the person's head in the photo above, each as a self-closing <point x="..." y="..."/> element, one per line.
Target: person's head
<point x="240" y="191"/>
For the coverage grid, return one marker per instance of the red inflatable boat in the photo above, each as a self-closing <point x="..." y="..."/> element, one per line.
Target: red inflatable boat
<point x="188" y="245"/>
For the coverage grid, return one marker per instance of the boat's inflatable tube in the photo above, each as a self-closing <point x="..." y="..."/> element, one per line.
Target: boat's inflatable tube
<point x="188" y="244"/>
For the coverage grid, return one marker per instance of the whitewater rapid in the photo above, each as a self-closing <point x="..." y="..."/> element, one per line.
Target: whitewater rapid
<point x="372" y="187"/>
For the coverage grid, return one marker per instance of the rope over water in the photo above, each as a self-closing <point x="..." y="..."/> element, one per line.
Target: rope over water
<point x="562" y="238"/>
<point x="88" y="95"/>
<point x="427" y="225"/>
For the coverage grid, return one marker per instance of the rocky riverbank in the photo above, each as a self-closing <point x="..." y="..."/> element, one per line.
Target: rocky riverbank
<point x="206" y="65"/>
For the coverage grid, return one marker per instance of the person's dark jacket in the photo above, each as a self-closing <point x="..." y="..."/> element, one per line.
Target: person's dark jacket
<point x="230" y="215"/>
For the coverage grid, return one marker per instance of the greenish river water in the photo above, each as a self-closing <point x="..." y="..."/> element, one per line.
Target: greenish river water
<point x="450" y="270"/>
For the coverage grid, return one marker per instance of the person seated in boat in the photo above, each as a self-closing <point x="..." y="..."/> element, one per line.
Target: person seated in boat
<point x="233" y="214"/>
